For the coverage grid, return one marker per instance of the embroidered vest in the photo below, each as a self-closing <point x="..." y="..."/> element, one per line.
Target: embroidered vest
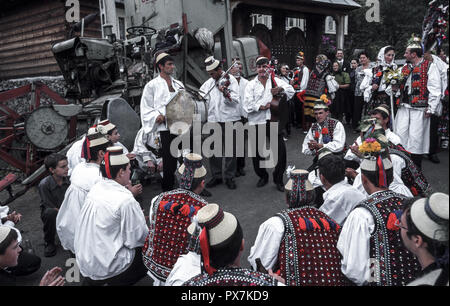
<point x="232" y="277"/>
<point x="393" y="264"/>
<point x="330" y="124"/>
<point x="419" y="81"/>
<point x="168" y="237"/>
<point x="308" y="255"/>
<point x="316" y="85"/>
<point x="298" y="77"/>
<point x="412" y="176"/>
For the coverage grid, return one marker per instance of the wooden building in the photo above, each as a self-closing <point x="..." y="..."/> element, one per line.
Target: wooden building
<point x="29" y="28"/>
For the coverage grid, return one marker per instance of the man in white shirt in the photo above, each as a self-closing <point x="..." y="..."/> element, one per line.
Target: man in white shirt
<point x="257" y="103"/>
<point x="236" y="71"/>
<point x="156" y="95"/>
<point x="111" y="229"/>
<point x="221" y="92"/>
<point x="300" y="82"/>
<point x="340" y="197"/>
<point x="370" y="244"/>
<point x="420" y="99"/>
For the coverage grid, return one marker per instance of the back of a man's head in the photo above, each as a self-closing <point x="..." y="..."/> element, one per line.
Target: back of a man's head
<point x="225" y="253"/>
<point x="332" y="167"/>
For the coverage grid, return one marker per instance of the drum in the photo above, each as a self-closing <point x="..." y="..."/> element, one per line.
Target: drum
<point x="181" y="111"/>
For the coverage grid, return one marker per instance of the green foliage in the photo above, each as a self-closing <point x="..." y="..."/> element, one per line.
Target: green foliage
<point x="398" y="20"/>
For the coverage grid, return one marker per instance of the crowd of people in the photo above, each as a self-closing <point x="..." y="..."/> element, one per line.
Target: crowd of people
<point x="362" y="214"/>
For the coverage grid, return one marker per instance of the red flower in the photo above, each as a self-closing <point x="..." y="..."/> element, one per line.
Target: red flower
<point x="379" y="74"/>
<point x="415" y="84"/>
<point x="398" y="101"/>
<point x="316" y="135"/>
<point x="416" y="70"/>
<point x="324" y="131"/>
<point x="415" y="100"/>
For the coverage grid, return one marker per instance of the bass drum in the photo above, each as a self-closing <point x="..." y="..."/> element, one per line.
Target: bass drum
<point x="183" y="109"/>
<point x="128" y="122"/>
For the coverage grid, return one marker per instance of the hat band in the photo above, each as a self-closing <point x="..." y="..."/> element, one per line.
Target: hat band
<point x="214" y="221"/>
<point x="431" y="214"/>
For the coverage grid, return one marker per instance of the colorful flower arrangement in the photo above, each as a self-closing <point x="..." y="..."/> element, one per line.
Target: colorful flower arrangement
<point x="324" y="98"/>
<point x="393" y="76"/>
<point x="370" y="145"/>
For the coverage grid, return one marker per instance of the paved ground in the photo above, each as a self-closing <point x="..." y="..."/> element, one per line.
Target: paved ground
<point x="251" y="205"/>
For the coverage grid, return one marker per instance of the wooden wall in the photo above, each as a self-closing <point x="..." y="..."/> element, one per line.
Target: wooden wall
<point x="28" y="31"/>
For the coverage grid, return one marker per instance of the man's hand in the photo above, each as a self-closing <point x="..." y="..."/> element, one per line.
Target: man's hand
<point x="355" y="150"/>
<point x="135" y="190"/>
<point x="264" y="107"/>
<point x="351" y="173"/>
<point x="428" y="115"/>
<point x="277" y="277"/>
<point x="374" y="87"/>
<point x="151" y="167"/>
<point x="52" y="278"/>
<point x="160" y="119"/>
<point x="14" y="217"/>
<point x="314" y="145"/>
<point x="276" y="90"/>
<point x="131" y="156"/>
<point x="160" y="167"/>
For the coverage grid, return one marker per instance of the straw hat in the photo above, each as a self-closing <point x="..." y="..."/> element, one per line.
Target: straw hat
<point x="430" y="216"/>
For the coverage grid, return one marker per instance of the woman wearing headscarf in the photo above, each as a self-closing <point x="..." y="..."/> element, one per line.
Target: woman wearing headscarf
<point x="378" y="95"/>
<point x="341" y="104"/>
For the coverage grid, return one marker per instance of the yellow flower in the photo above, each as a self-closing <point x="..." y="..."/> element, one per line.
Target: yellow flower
<point x="324" y="98"/>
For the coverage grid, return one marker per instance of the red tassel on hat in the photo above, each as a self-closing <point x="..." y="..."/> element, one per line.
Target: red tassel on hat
<point x="107" y="166"/>
<point x="381" y="173"/>
<point x="391" y="222"/>
<point x="204" y="246"/>
<point x="414" y="191"/>
<point x="302" y="224"/>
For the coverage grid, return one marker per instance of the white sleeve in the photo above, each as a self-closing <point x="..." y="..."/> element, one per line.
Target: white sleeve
<point x="305" y="79"/>
<point x="332" y="85"/>
<point x="186" y="267"/>
<point x="354" y="245"/>
<point x="308" y="138"/>
<point x="434" y="88"/>
<point x="288" y="89"/>
<point x="267" y="243"/>
<point x="338" y="143"/>
<point x="132" y="224"/>
<point x="149" y="110"/>
<point x="250" y="104"/>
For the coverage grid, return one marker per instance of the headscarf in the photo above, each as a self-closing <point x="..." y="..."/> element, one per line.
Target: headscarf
<point x="382" y="62"/>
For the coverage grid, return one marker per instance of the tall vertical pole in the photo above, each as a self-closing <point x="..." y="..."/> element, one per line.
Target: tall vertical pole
<point x="228" y="32"/>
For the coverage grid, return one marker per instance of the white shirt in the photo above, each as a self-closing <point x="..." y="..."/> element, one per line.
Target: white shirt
<point x="340" y="200"/>
<point x="354" y="245"/>
<point x="242" y="84"/>
<point x="267" y="243"/>
<point x="84" y="176"/>
<point x="391" y="136"/>
<point x="221" y="109"/>
<point x="443" y="70"/>
<point x="186" y="267"/>
<point x="110" y="227"/>
<point x="434" y="88"/>
<point x="74" y="155"/>
<point x="143" y="155"/>
<point x="305" y="79"/>
<point x="335" y="146"/>
<point x="257" y="95"/>
<point x="155" y="97"/>
<point x="397" y="184"/>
